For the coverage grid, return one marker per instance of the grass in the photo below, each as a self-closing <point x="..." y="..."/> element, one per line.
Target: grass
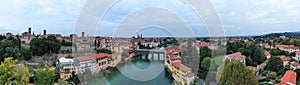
<point x="218" y="60"/>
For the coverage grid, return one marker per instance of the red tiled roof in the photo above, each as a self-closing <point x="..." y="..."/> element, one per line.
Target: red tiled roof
<point x="181" y="66"/>
<point x="237" y="56"/>
<point x="295" y="64"/>
<point x="174" y="57"/>
<point x="267" y="53"/>
<point x="190" y="74"/>
<point x="287" y="46"/>
<point x="86" y="58"/>
<point x="289" y="77"/>
<point x="101" y="55"/>
<point x="298" y="52"/>
<point x="204" y="44"/>
<point x="284" y="58"/>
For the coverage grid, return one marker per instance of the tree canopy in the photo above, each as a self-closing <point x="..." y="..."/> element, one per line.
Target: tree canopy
<point x="41" y="46"/>
<point x="275" y="64"/>
<point x="45" y="76"/>
<point x="237" y="73"/>
<point x="12" y="74"/>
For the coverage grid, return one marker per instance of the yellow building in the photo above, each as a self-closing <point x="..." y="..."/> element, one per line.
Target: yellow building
<point x="182" y="73"/>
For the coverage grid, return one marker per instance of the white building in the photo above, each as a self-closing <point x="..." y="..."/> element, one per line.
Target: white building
<point x="297" y="56"/>
<point x="66" y="67"/>
<point x="295" y="65"/>
<point x="236" y="56"/>
<point x="84" y="63"/>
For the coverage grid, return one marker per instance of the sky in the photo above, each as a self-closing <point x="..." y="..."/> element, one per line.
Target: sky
<point x="238" y="17"/>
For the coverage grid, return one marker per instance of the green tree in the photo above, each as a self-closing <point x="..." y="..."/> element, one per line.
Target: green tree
<point x="22" y="75"/>
<point x="41" y="46"/>
<point x="220" y="70"/>
<point x="205" y="64"/>
<point x="62" y="82"/>
<point x="298" y="72"/>
<point x="45" y="76"/>
<point x="7" y="71"/>
<point x="237" y="73"/>
<point x="258" y="55"/>
<point x="204" y="52"/>
<point x="74" y="78"/>
<point x="275" y="64"/>
<point x="273" y="75"/>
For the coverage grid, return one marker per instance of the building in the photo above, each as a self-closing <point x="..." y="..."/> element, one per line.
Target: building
<point x="66" y="67"/>
<point x="236" y="56"/>
<point x="289" y="78"/>
<point x="102" y="60"/>
<point x="286" y="60"/>
<point x="297" y="56"/>
<point x="179" y="72"/>
<point x="83" y="63"/>
<point x="182" y="73"/>
<point x="289" y="48"/>
<point x="294" y="65"/>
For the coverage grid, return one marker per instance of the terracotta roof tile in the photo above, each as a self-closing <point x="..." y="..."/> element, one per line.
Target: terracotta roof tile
<point x="295" y="64"/>
<point x="101" y="55"/>
<point x="86" y="58"/>
<point x="289" y="77"/>
<point x="237" y="56"/>
<point x="284" y="58"/>
<point x="181" y="67"/>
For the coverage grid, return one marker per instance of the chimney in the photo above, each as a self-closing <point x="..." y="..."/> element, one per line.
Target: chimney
<point x="82" y="34"/>
<point x="29" y="30"/>
<point x="45" y="32"/>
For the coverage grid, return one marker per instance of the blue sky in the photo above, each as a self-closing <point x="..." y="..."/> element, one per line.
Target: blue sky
<point x="239" y="17"/>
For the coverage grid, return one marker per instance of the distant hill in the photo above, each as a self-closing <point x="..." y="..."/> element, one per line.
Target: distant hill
<point x="280" y="34"/>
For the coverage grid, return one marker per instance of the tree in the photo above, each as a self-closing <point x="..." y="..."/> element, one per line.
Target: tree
<point x="204" y="52"/>
<point x="41" y="46"/>
<point x="237" y="73"/>
<point x="220" y="70"/>
<point x="62" y="82"/>
<point x="275" y="64"/>
<point x="258" y="56"/>
<point x="205" y="64"/>
<point x="298" y="72"/>
<point x="74" y="78"/>
<point x="45" y="76"/>
<point x="7" y="71"/>
<point x="22" y="75"/>
<point x="273" y="75"/>
<point x="11" y="48"/>
<point x="11" y="74"/>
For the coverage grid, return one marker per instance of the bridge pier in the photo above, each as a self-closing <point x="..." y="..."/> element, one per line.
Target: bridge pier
<point x="151" y="52"/>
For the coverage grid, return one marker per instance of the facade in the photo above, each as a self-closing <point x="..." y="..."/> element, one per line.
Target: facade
<point x="179" y="72"/>
<point x="103" y="60"/>
<point x="83" y="63"/>
<point x="236" y="56"/>
<point x="289" y="48"/>
<point x="66" y="67"/>
<point x="182" y="73"/>
<point x="297" y="56"/>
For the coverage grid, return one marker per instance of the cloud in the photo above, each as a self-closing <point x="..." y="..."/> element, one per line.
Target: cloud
<point x="262" y="16"/>
<point x="53" y="15"/>
<point x="60" y="16"/>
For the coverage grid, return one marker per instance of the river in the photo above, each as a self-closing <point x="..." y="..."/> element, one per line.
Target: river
<point x="116" y="77"/>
